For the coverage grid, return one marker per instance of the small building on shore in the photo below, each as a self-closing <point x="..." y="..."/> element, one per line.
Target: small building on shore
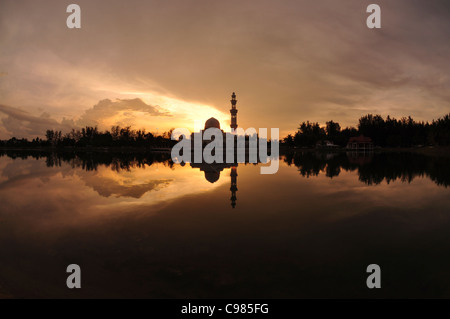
<point x="360" y="143"/>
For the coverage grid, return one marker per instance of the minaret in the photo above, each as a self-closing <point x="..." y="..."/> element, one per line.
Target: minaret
<point x="233" y="112"/>
<point x="233" y="187"/>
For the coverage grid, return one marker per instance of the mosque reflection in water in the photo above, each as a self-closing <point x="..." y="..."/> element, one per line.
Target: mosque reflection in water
<point x="212" y="175"/>
<point x="212" y="171"/>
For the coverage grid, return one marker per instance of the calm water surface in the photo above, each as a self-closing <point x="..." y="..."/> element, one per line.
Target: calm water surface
<point x="141" y="226"/>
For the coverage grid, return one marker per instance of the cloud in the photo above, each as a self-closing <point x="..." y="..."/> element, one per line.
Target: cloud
<point x="106" y="113"/>
<point x="21" y="123"/>
<point x="125" y="112"/>
<point x="288" y="60"/>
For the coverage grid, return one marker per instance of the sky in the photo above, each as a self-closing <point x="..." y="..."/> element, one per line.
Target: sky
<point x="164" y="64"/>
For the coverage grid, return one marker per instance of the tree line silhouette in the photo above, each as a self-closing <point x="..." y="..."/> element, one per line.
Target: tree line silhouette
<point x="388" y="132"/>
<point x="91" y="136"/>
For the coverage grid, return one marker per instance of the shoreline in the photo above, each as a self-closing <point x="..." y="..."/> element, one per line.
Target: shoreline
<point x="96" y="149"/>
<point x="443" y="151"/>
<point x="427" y="150"/>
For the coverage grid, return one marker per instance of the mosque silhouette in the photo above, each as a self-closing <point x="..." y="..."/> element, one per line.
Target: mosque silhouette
<point x="212" y="171"/>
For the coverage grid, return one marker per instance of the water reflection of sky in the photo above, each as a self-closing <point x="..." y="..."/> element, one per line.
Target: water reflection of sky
<point x="102" y="188"/>
<point x="164" y="231"/>
<point x="107" y="190"/>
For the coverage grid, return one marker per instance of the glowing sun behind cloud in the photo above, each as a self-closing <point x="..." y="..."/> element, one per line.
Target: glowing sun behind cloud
<point x="179" y="113"/>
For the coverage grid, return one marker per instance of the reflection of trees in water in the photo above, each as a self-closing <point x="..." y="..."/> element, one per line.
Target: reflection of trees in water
<point x="90" y="161"/>
<point x="373" y="168"/>
<point x="312" y="164"/>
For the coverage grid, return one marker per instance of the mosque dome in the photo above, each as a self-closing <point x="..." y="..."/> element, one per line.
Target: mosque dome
<point x="212" y="122"/>
<point x="212" y="176"/>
